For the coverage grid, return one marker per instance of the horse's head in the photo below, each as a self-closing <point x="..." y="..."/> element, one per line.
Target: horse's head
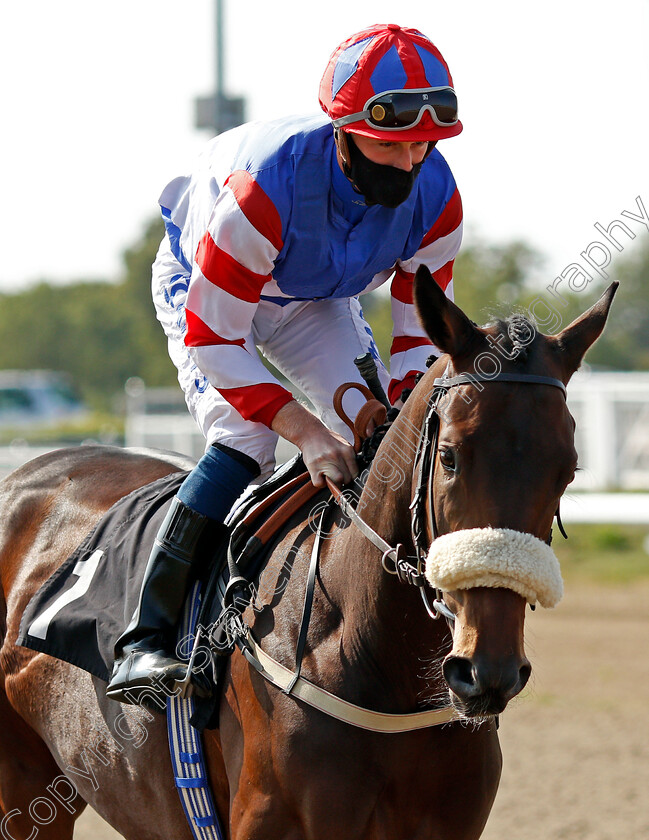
<point x="500" y="455"/>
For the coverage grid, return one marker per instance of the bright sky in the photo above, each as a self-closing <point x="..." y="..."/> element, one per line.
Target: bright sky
<point x="98" y="113"/>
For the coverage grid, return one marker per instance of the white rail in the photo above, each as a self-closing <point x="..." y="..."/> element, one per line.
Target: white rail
<point x="611" y="411"/>
<point x="612" y="437"/>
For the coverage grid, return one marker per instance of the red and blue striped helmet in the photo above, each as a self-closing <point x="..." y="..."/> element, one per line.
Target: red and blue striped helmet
<point x="390" y="61"/>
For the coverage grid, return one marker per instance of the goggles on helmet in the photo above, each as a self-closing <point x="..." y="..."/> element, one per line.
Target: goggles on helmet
<point x="398" y="110"/>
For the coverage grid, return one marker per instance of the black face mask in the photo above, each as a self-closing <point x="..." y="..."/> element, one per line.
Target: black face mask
<point x="378" y="183"/>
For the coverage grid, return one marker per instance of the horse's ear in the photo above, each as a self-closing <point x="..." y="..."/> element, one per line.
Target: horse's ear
<point x="447" y="326"/>
<point x="576" y="338"/>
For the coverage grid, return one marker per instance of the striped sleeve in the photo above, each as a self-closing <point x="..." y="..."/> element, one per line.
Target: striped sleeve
<point x="410" y="344"/>
<point x="233" y="262"/>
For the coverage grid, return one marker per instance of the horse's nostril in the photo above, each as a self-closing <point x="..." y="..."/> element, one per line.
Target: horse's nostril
<point x="459" y="673"/>
<point x="524" y="674"/>
<point x="470" y="679"/>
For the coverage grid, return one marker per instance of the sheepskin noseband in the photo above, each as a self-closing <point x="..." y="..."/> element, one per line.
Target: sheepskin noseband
<point x="496" y="557"/>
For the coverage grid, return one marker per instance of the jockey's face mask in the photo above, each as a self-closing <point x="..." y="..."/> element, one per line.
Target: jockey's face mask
<point x="378" y="183"/>
<point x="399" y="110"/>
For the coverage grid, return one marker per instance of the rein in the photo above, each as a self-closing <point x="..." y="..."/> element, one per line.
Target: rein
<point x="291" y="683"/>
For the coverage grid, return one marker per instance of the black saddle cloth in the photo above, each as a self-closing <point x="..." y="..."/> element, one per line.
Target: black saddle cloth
<point x="81" y="610"/>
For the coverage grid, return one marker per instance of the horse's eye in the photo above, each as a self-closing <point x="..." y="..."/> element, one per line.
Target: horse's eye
<point x="447" y="458"/>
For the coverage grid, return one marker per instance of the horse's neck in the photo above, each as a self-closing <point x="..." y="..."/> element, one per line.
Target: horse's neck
<point x="387" y="633"/>
<point x="385" y="501"/>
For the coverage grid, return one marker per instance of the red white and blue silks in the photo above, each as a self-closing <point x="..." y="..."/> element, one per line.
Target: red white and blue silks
<point x="268" y="217"/>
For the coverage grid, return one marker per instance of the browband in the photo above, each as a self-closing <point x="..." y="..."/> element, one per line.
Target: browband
<point x="470" y="378"/>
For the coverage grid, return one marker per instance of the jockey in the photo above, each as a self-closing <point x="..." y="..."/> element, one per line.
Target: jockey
<point x="269" y="242"/>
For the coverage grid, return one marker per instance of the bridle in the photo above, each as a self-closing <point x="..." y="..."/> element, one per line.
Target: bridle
<point x="395" y="560"/>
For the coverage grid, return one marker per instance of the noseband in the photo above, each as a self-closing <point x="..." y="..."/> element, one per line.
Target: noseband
<point x="394" y="558"/>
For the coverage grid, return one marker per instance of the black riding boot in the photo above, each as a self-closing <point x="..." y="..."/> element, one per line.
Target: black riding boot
<point x="144" y="660"/>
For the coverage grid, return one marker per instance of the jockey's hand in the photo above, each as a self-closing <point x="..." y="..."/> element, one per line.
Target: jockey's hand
<point x="325" y="453"/>
<point x="330" y="455"/>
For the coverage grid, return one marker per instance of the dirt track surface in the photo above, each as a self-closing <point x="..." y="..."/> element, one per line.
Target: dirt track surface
<point x="576" y="744"/>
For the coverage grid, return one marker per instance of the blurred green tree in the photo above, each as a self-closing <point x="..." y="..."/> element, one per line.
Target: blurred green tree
<point x="624" y="344"/>
<point x="490" y="280"/>
<point x="148" y="343"/>
<point x="101" y="333"/>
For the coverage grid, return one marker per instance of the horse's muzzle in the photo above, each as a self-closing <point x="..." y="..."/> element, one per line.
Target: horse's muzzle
<point x="480" y="688"/>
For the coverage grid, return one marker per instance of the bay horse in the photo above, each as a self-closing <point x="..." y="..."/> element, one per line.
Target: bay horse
<point x="278" y="768"/>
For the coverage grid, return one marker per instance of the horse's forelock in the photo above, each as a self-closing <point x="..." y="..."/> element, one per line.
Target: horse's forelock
<point x="516" y="336"/>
